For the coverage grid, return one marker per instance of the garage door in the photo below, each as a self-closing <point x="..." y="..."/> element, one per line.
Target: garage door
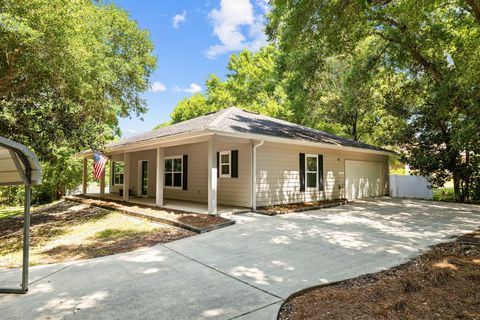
<point x="362" y="179"/>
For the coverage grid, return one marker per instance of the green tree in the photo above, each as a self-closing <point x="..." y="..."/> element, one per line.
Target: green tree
<point x="432" y="46"/>
<point x="191" y="107"/>
<point x="250" y="84"/>
<point x="67" y="70"/>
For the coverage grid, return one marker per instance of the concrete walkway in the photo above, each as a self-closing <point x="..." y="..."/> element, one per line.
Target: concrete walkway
<point x="244" y="271"/>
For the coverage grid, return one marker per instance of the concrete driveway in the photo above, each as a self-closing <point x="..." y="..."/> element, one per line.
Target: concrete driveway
<point x="242" y="272"/>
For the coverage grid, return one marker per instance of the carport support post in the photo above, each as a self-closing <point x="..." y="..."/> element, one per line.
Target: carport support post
<point x="26" y="236"/>
<point x="126" y="175"/>
<point x="160" y="176"/>
<point x="85" y="176"/>
<point x="212" y="177"/>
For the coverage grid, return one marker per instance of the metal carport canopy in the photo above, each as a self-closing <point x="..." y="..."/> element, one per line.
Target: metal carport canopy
<point x="20" y="166"/>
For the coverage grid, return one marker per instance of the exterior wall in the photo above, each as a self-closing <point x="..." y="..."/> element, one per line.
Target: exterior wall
<point x="278" y="178"/>
<point x="237" y="191"/>
<point x="197" y="172"/>
<point x="114" y="188"/>
<point x="135" y="157"/>
<point x="134" y="183"/>
<point x="230" y="191"/>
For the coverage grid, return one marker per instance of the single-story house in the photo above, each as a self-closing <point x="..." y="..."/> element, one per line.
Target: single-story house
<point x="240" y="158"/>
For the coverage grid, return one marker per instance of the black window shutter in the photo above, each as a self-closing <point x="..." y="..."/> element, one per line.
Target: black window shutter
<point x="218" y="164"/>
<point x="234" y="165"/>
<point x="302" y="171"/>
<point x="320" y="172"/>
<point x="112" y="170"/>
<point x="185" y="172"/>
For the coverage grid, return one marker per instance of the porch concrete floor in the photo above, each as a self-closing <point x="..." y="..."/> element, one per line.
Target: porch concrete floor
<point x="188" y="206"/>
<point x="244" y="271"/>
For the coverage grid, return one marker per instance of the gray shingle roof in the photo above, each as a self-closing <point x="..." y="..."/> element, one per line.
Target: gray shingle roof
<point x="237" y="120"/>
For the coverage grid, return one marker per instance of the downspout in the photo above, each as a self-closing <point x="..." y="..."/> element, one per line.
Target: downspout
<point x="254" y="173"/>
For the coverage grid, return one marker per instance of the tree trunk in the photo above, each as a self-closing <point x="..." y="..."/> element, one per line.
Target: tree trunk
<point x="475" y="7"/>
<point x="354" y="127"/>
<point x="456" y="186"/>
<point x="466" y="191"/>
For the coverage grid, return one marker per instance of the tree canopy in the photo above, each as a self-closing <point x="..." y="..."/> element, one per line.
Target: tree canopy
<point x="68" y="69"/>
<point x="250" y="84"/>
<point x="428" y="60"/>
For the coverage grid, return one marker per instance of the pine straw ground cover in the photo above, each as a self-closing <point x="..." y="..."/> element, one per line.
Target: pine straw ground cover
<point x="66" y="231"/>
<point x="443" y="283"/>
<point x="302" y="206"/>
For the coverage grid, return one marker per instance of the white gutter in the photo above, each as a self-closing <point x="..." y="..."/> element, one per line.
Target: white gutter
<point x="156" y="142"/>
<point x="252" y="136"/>
<point x="151" y="143"/>
<point x="254" y="173"/>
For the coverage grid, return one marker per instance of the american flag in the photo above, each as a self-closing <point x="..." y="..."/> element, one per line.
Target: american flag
<point x="99" y="162"/>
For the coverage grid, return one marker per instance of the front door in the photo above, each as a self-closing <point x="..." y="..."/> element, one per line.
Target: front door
<point x="143" y="178"/>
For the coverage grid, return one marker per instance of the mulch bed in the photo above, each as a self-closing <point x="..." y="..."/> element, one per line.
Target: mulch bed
<point x="199" y="222"/>
<point x="303" y="206"/>
<point x="443" y="283"/>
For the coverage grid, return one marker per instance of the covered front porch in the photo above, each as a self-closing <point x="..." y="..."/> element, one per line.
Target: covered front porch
<point x="208" y="174"/>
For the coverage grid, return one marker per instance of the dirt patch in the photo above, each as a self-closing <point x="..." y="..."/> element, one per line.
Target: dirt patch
<point x="440" y="284"/>
<point x="196" y="220"/>
<point x="67" y="231"/>
<point x="302" y="206"/>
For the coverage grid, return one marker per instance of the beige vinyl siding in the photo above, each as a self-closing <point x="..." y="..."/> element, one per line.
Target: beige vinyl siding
<point x="236" y="191"/>
<point x="114" y="188"/>
<point x="231" y="191"/>
<point x="278" y="179"/>
<point x="134" y="158"/>
<point x="197" y="172"/>
<point x="134" y="182"/>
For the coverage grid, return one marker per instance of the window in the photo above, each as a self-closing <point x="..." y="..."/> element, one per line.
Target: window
<point x="173" y="172"/>
<point x="225" y="164"/>
<point x="311" y="164"/>
<point x="117" y="172"/>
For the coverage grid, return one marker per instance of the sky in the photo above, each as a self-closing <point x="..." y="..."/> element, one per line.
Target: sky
<point x="192" y="39"/>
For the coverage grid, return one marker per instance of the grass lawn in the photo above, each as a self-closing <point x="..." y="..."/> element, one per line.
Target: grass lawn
<point x="444" y="194"/>
<point x="440" y="284"/>
<point x="6" y="212"/>
<point x="66" y="231"/>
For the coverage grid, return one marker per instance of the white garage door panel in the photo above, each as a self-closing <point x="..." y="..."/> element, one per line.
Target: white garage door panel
<point x="362" y="179"/>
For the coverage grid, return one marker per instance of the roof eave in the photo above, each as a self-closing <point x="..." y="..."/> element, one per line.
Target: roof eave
<point x="154" y="142"/>
<point x="255" y="136"/>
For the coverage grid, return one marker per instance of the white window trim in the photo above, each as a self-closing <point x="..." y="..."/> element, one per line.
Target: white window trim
<point x="172" y="172"/>
<point x="229" y="153"/>
<point x="307" y="172"/>
<point x="114" y="162"/>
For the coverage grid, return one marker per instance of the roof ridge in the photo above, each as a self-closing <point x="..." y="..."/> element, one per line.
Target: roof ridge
<point x="221" y="116"/>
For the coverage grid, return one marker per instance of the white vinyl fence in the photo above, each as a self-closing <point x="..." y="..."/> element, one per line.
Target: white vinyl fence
<point x="410" y="187"/>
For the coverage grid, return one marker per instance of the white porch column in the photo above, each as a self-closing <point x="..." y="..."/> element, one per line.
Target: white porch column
<point x="253" y="196"/>
<point x="212" y="177"/>
<point x="126" y="175"/>
<point x="160" y="176"/>
<point x="102" y="182"/>
<point x="85" y="176"/>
